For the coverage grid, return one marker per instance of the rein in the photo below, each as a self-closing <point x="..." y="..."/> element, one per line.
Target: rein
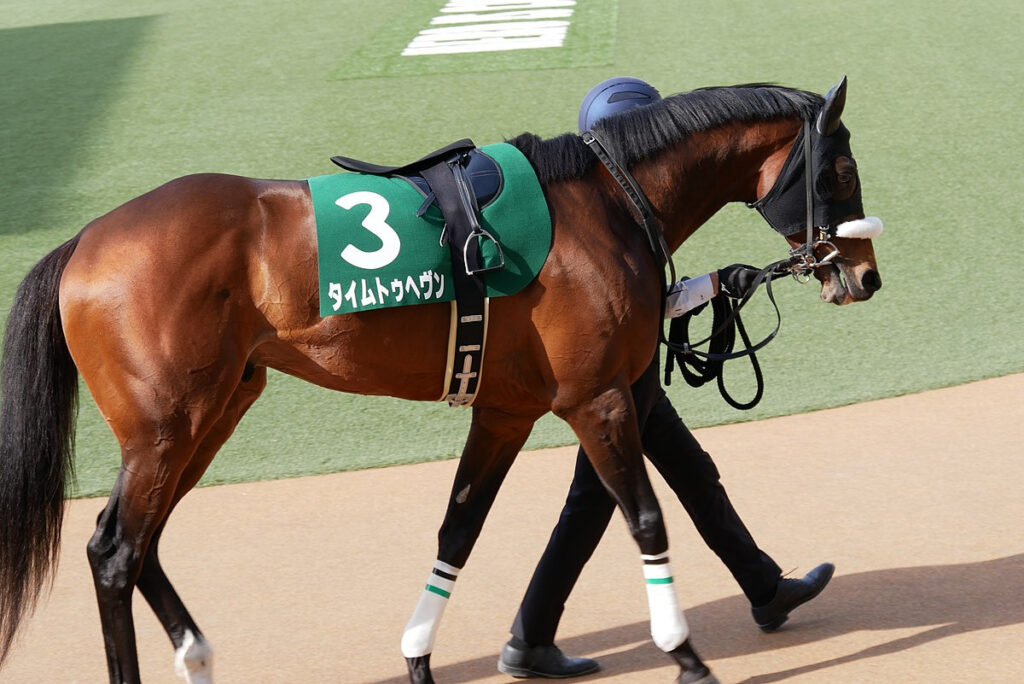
<point x="629" y="185"/>
<point x="708" y="365"/>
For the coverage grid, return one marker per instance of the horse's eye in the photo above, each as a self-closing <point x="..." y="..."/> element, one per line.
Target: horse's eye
<point x="846" y="177"/>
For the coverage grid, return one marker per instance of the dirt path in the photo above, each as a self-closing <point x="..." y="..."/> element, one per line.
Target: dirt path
<point x="917" y="500"/>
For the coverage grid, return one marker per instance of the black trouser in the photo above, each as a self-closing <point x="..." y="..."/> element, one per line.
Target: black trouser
<point x="690" y="472"/>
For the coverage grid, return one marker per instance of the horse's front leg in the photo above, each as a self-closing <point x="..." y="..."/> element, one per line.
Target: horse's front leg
<point x="495" y="438"/>
<point x="607" y="427"/>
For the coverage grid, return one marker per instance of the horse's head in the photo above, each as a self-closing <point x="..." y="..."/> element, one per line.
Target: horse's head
<point x="814" y="201"/>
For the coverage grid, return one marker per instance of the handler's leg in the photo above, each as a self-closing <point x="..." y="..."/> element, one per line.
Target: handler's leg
<point x="531" y="651"/>
<point x="588" y="508"/>
<point x="691" y="473"/>
<point x="495" y="438"/>
<point x="694" y="478"/>
<point x="584" y="518"/>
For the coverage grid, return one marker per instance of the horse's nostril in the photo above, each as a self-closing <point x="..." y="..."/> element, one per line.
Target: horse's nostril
<point x="871" y="281"/>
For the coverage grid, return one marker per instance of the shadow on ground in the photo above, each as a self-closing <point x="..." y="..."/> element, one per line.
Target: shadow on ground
<point x="58" y="82"/>
<point x="952" y="599"/>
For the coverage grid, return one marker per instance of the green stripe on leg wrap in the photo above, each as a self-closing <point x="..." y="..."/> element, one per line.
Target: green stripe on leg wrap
<point x="442" y="592"/>
<point x="660" y="580"/>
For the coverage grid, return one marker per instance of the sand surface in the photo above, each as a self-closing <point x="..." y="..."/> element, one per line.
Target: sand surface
<point x="918" y="500"/>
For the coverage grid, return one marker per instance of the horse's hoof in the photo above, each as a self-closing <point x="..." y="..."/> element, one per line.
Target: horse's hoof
<point x="706" y="679"/>
<point x="692" y="669"/>
<point x="419" y="670"/>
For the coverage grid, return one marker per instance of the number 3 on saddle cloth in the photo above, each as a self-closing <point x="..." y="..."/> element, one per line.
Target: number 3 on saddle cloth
<point x="460" y="225"/>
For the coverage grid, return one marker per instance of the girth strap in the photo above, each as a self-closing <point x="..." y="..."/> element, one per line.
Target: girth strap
<point x="462" y="229"/>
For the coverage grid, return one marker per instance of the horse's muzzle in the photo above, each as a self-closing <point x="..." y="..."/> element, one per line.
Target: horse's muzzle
<point x="843" y="283"/>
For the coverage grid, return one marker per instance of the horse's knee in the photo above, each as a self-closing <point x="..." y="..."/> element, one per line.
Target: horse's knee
<point x="649" y="531"/>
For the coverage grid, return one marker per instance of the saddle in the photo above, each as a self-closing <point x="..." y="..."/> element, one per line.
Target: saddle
<point x="482" y="172"/>
<point x="459" y="180"/>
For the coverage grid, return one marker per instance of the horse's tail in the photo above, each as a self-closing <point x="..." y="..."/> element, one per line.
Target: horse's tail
<point x="39" y="387"/>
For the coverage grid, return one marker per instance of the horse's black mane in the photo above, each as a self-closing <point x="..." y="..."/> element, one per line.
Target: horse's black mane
<point x="637" y="133"/>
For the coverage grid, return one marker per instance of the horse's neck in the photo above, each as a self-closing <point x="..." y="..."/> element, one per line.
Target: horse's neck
<point x="689" y="182"/>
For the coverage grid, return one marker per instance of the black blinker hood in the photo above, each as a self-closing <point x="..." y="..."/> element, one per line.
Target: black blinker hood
<point x="784" y="206"/>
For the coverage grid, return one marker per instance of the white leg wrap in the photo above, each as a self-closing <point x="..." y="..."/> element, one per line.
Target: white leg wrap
<point x="668" y="624"/>
<point x="420" y="632"/>
<point x="193" y="661"/>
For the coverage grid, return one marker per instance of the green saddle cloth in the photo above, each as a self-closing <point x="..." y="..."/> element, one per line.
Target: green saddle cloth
<point x="374" y="252"/>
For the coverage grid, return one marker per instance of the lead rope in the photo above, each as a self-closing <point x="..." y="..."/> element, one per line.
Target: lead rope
<point x="696" y="370"/>
<point x="698" y="367"/>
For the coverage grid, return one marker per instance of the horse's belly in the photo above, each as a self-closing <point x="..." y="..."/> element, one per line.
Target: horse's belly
<point x="393" y="352"/>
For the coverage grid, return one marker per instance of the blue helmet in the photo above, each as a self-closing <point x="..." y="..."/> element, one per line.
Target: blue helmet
<point x="613" y="96"/>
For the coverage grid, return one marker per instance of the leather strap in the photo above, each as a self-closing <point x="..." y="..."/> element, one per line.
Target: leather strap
<point x="470" y="320"/>
<point x="655" y="236"/>
<point x="709" y="365"/>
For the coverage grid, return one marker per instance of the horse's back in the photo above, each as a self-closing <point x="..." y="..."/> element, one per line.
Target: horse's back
<point x="164" y="230"/>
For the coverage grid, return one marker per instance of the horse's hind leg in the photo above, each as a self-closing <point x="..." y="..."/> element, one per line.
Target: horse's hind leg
<point x="495" y="438"/>
<point x="159" y="438"/>
<point x="193" y="657"/>
<point x="136" y="509"/>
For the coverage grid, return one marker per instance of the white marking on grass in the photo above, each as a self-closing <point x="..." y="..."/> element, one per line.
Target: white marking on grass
<point x="468" y="26"/>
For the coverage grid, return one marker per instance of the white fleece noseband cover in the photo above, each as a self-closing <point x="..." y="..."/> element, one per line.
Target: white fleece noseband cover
<point x="865" y="228"/>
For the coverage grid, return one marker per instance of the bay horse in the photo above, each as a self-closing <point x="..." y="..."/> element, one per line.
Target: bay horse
<point x="172" y="307"/>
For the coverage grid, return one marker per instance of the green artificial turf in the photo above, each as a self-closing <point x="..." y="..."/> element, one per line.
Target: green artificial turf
<point x="100" y="101"/>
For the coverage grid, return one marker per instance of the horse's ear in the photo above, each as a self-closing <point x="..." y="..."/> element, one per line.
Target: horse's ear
<point x="835" y="100"/>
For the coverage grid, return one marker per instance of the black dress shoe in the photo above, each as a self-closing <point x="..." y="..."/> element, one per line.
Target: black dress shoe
<point x="543" y="661"/>
<point x="790" y="594"/>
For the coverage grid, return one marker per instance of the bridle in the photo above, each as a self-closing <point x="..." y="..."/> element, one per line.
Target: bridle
<point x="804" y="259"/>
<point x="800" y="263"/>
